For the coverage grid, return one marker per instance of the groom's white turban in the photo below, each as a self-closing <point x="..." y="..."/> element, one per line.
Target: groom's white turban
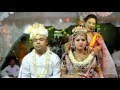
<point x="36" y="29"/>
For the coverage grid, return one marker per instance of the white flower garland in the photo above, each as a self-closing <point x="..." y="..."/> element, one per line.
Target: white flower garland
<point x="78" y="28"/>
<point x="83" y="63"/>
<point x="35" y="68"/>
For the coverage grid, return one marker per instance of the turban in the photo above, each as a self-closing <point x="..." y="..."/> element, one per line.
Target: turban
<point x="36" y="29"/>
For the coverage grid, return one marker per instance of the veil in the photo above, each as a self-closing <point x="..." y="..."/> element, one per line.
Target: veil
<point x="108" y="66"/>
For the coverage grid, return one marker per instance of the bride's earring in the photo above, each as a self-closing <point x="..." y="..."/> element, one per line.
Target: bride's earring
<point x="73" y="45"/>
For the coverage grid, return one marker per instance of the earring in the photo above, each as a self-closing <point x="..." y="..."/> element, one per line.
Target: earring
<point x="72" y="45"/>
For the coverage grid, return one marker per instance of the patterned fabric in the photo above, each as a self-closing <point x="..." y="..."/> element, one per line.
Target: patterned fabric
<point x="86" y="72"/>
<point x="106" y="61"/>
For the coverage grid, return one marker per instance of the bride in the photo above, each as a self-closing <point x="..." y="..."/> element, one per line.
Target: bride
<point x="80" y="62"/>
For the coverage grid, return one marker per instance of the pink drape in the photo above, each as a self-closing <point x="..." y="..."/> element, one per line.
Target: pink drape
<point x="108" y="66"/>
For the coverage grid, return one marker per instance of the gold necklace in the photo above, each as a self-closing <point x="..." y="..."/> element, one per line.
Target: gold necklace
<point x="79" y="57"/>
<point x="35" y="68"/>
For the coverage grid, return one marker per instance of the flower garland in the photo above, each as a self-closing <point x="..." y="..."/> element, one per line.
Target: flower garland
<point x="35" y="68"/>
<point x="78" y="28"/>
<point x="81" y="63"/>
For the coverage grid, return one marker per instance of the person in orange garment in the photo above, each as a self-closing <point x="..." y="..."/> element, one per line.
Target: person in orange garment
<point x="97" y="43"/>
<point x="23" y="50"/>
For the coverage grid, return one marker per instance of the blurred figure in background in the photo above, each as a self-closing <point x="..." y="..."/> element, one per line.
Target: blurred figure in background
<point x="10" y="71"/>
<point x="23" y="50"/>
<point x="116" y="58"/>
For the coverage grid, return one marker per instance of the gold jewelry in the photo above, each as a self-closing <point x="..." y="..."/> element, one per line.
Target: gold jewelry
<point x="79" y="57"/>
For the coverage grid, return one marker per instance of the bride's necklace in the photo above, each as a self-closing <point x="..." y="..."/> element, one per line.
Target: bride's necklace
<point x="80" y="56"/>
<point x="35" y="68"/>
<point x="82" y="63"/>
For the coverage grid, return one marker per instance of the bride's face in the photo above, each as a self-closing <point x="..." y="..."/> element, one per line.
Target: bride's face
<point x="80" y="42"/>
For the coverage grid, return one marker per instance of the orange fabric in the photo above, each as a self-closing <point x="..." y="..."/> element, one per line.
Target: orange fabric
<point x="22" y="51"/>
<point x="94" y="39"/>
